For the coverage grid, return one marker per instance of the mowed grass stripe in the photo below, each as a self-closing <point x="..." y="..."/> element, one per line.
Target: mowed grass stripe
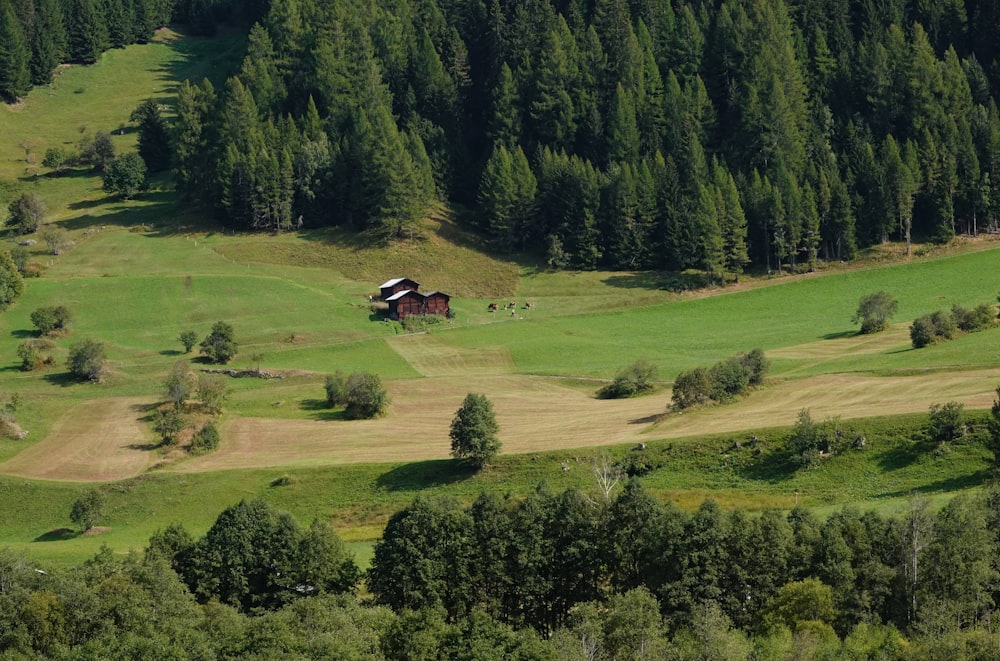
<point x="97" y="441"/>
<point x="431" y="356"/>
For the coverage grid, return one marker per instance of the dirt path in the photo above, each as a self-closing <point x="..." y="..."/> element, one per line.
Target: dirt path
<point x="96" y="441"/>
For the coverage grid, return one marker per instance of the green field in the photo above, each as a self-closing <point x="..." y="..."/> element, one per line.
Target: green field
<point x="141" y="272"/>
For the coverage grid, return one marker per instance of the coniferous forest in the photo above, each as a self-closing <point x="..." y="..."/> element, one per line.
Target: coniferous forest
<point x="618" y="134"/>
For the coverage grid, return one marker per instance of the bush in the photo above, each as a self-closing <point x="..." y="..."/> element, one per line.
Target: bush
<point x="874" y="312"/>
<point x="729" y="378"/>
<point x="213" y="392"/>
<point x="757" y="365"/>
<point x="26" y="213"/>
<point x="932" y="328"/>
<point x="87" y="509"/>
<point x="206" y="440"/>
<point x="945" y="423"/>
<point x="336" y="389"/>
<point x="977" y="319"/>
<point x="54" y="157"/>
<point x="34" y="353"/>
<point x="48" y="320"/>
<point x="125" y="176"/>
<point x="637" y="378"/>
<point x="188" y="339"/>
<point x="11" y="284"/>
<point x="168" y="424"/>
<point x="220" y="345"/>
<point x="366" y="397"/>
<point x="691" y="388"/>
<point x="86" y="360"/>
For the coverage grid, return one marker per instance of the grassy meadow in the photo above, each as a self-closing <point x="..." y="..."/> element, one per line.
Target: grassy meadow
<point x="141" y="272"/>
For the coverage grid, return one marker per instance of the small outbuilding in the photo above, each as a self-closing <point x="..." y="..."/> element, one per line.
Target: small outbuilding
<point x="397" y="285"/>
<point x="409" y="303"/>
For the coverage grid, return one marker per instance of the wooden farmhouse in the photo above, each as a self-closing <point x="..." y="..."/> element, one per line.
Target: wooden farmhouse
<point x="397" y="285"/>
<point x="405" y="301"/>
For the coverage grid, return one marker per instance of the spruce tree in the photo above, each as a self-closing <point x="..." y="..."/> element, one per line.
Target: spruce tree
<point x="87" y="33"/>
<point x="15" y="76"/>
<point x="48" y="47"/>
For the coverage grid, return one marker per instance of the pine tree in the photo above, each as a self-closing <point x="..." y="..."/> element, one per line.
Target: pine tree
<point x="118" y="17"/>
<point x="623" y="132"/>
<point x="732" y="221"/>
<point x="15" y="76"/>
<point x="497" y="195"/>
<point x="505" y="124"/>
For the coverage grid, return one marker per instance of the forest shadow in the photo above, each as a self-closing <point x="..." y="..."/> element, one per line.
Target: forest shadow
<point x="656" y="280"/>
<point x="424" y="475"/>
<point x="211" y="57"/>
<point x="162" y="215"/>
<point x="56" y="535"/>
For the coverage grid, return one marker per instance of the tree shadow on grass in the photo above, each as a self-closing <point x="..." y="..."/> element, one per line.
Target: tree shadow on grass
<point x="57" y="535"/>
<point x="425" y="474"/>
<point x="841" y="335"/>
<point x="171" y="352"/>
<point x="318" y="410"/>
<point x="63" y="379"/>
<point x="88" y="204"/>
<point x="948" y="484"/>
<point x="901" y="456"/>
<point x="775" y="467"/>
<point x="23" y="334"/>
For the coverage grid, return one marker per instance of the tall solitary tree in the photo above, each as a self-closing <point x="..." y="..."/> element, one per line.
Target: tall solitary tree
<point x="474" y="431"/>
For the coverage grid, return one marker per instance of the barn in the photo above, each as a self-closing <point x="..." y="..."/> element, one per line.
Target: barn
<point x="397" y="285"/>
<point x="408" y="303"/>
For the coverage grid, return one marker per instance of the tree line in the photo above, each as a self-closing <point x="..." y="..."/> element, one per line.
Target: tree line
<point x="553" y="576"/>
<point x="611" y="133"/>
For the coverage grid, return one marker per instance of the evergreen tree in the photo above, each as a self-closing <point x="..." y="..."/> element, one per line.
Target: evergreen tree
<point x="154" y="138"/>
<point x="48" y="47"/>
<point x="86" y="30"/>
<point x="15" y="76"/>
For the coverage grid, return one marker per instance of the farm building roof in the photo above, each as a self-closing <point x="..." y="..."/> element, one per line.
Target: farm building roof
<point x="435" y="293"/>
<point x="395" y="281"/>
<point x="400" y="294"/>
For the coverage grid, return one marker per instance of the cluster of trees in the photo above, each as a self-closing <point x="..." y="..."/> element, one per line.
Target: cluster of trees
<point x="609" y="133"/>
<point x="721" y="382"/>
<point x="533" y="562"/>
<point x="548" y="577"/>
<point x="361" y="394"/>
<point x="943" y="325"/>
<point x="39" y="35"/>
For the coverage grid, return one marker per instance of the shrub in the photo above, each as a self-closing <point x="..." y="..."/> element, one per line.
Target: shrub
<point x="188" y="339"/>
<point x="366" y="397"/>
<point x="874" y="312"/>
<point x="54" y="157"/>
<point x="34" y="353"/>
<point x="945" y="422"/>
<point x="637" y="378"/>
<point x="87" y="509"/>
<point x="86" y="360"/>
<point x="729" y="378"/>
<point x="11" y="284"/>
<point x="932" y="328"/>
<point x="336" y="389"/>
<point x="219" y="346"/>
<point x="206" y="440"/>
<point x="212" y="392"/>
<point x="691" y="388"/>
<point x="48" y="320"/>
<point x="757" y="365"/>
<point x="26" y="213"/>
<point x="977" y="319"/>
<point x="168" y="424"/>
